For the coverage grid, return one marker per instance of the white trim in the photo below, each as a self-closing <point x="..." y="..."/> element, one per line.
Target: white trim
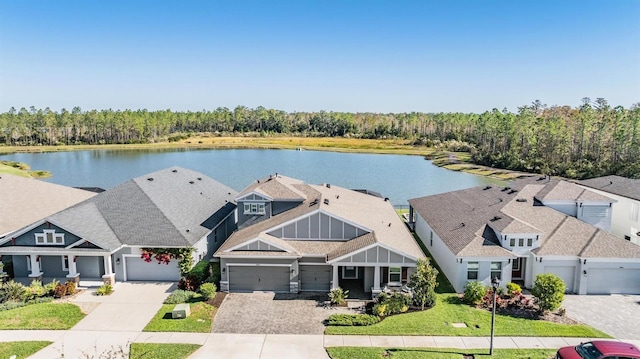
<point x="389" y="276"/>
<point x="321" y="211"/>
<point x="371" y="246"/>
<point x="255" y="257"/>
<point x="31" y="227"/>
<point x="124" y="265"/>
<point x="246" y="243"/>
<point x="313" y="264"/>
<point x="258" y="265"/>
<point x="267" y="198"/>
<point x="60" y="252"/>
<point x="80" y="242"/>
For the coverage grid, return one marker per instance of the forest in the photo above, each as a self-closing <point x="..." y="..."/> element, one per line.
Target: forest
<point x="590" y="140"/>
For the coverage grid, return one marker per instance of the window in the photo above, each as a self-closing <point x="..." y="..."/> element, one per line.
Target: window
<point x="496" y="270"/>
<point x="472" y="271"/>
<point x="515" y="266"/>
<point x="512" y="242"/>
<point x="254" y="208"/>
<point x="349" y="272"/>
<point x="520" y="242"/>
<point x="635" y="210"/>
<point x="49" y="237"/>
<point x="529" y="242"/>
<point x="394" y="274"/>
<point x="65" y="263"/>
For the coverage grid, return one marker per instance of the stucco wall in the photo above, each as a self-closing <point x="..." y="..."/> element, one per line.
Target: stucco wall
<point x="441" y="253"/>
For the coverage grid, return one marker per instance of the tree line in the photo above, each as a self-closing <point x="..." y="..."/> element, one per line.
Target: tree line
<point x="590" y="140"/>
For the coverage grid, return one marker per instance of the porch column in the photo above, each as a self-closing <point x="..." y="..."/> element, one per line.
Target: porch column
<point x="376" y="279"/>
<point x="36" y="274"/>
<point x="73" y="270"/>
<point x="334" y="283"/>
<point x="108" y="277"/>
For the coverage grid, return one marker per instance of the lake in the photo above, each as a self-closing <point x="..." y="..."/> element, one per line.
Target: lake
<point x="399" y="177"/>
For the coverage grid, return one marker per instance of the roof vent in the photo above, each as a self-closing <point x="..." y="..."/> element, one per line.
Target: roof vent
<point x="328" y="185"/>
<point x="313" y="203"/>
<point x="338" y="196"/>
<point x="199" y="178"/>
<point x="521" y="199"/>
<point x="486" y="188"/>
<point x="495" y="218"/>
<point x="506" y="189"/>
<point x="513" y="191"/>
<point x="326" y="201"/>
<point x="150" y="179"/>
<point x="188" y="230"/>
<point x="174" y="171"/>
<point x="386" y="199"/>
<point x="258" y="181"/>
<point x="191" y="182"/>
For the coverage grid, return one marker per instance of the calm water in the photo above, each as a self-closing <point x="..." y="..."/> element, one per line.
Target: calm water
<point x="395" y="176"/>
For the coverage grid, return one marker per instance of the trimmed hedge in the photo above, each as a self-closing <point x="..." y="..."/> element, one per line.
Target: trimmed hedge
<point x="352" y="320"/>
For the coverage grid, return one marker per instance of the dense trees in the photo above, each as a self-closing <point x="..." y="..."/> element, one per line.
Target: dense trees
<point x="590" y="140"/>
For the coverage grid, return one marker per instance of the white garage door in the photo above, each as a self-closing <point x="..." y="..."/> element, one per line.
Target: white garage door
<point x="566" y="273"/>
<point x="138" y="269"/>
<point x="258" y="278"/>
<point x="614" y="280"/>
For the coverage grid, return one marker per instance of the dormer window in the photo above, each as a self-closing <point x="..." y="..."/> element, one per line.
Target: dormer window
<point x="49" y="237"/>
<point x="254" y="208"/>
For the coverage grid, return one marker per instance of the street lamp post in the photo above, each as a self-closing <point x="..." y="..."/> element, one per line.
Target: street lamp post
<point x="495" y="283"/>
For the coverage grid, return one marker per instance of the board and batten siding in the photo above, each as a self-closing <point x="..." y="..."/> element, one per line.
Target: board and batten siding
<point x="318" y="226"/>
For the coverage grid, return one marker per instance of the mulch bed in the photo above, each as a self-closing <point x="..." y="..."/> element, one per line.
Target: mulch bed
<point x="217" y="300"/>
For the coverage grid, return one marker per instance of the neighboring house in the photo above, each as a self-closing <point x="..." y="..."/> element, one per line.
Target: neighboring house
<point x="295" y="236"/>
<point x="26" y="200"/>
<point x="626" y="209"/>
<point x="485" y="232"/>
<point x="102" y="237"/>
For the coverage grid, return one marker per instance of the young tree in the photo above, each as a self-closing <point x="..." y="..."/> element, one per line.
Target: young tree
<point x="548" y="290"/>
<point x="423" y="282"/>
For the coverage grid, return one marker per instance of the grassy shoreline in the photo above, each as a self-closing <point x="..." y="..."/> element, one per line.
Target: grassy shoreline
<point x="454" y="161"/>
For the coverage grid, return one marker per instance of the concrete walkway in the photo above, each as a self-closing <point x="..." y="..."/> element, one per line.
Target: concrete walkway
<point x="261" y="346"/>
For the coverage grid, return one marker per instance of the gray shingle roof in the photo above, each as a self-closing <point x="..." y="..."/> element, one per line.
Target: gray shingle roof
<point x="277" y="187"/>
<point x="558" y="190"/>
<point x="625" y="187"/>
<point x="24" y="201"/>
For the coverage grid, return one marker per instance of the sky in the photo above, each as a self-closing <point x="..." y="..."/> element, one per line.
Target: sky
<point x="305" y="55"/>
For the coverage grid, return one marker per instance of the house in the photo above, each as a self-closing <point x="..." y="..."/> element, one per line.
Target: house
<point x="103" y="236"/>
<point x="485" y="232"/>
<point x="625" y="221"/>
<point x="295" y="236"/>
<point x="26" y="200"/>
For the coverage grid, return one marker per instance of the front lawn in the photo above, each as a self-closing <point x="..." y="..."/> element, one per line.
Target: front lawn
<point x="199" y="321"/>
<point x="435" y="353"/>
<point x="20" y="349"/>
<point x="449" y="309"/>
<point x="161" y="351"/>
<point x="41" y="316"/>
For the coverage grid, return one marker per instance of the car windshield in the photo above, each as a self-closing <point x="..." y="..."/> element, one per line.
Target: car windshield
<point x="588" y="351"/>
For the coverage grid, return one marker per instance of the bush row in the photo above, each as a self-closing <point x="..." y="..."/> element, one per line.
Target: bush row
<point x="352" y="319"/>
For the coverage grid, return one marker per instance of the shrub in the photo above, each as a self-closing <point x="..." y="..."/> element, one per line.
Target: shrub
<point x="380" y="309"/>
<point x="513" y="289"/>
<point x="352" y="319"/>
<point x="548" y="291"/>
<point x="423" y="283"/>
<point x="50" y="287"/>
<point x="34" y="290"/>
<point x="180" y="296"/>
<point x="105" y="289"/>
<point x="189" y="283"/>
<point x="71" y="287"/>
<point x="208" y="291"/>
<point x="338" y="295"/>
<point x="394" y="303"/>
<point x="474" y="292"/>
<point x="60" y="291"/>
<point x="12" y="291"/>
<point x="214" y="277"/>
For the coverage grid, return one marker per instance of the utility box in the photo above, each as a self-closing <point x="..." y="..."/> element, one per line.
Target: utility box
<point x="181" y="311"/>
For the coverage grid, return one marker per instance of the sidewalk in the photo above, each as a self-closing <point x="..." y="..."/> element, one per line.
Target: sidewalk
<point x="263" y="346"/>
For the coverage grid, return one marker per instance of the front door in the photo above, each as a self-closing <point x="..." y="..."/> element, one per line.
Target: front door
<point x="516" y="268"/>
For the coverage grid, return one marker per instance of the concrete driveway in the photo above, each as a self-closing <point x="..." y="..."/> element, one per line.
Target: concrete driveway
<point x="616" y="314"/>
<point x="272" y="313"/>
<point x="129" y="308"/>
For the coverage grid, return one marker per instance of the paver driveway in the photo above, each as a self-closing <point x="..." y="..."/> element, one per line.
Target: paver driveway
<point x="271" y="313"/>
<point x="616" y="314"/>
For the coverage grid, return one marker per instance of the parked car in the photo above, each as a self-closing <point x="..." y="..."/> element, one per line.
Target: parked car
<point x="600" y="349"/>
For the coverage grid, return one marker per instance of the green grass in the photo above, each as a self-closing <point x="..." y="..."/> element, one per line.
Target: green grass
<point x="449" y="309"/>
<point x="21" y="349"/>
<point x="199" y="321"/>
<point x="41" y="316"/>
<point x="13" y="171"/>
<point x="436" y="353"/>
<point x="161" y="351"/>
<point x="444" y="286"/>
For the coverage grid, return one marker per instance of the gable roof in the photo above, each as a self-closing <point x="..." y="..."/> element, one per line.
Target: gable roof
<point x="622" y="186"/>
<point x="27" y="200"/>
<point x="275" y="187"/>
<point x="173" y="207"/>
<point x="374" y="214"/>
<point x="560" y="235"/>
<point x="559" y="190"/>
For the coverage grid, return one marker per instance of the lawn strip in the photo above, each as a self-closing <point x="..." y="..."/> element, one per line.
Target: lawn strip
<point x="435" y="353"/>
<point x="21" y="349"/>
<point x="161" y="351"/>
<point x="41" y="316"/>
<point x="199" y="321"/>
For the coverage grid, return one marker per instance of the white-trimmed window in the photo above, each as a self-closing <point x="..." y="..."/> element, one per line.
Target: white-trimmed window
<point x="515" y="265"/>
<point x="520" y="242"/>
<point x="349" y="272"/>
<point x="512" y="242"/>
<point x="395" y="275"/>
<point x="65" y="263"/>
<point x="529" y="242"/>
<point x="254" y="208"/>
<point x="496" y="270"/>
<point x="49" y="237"/>
<point x="472" y="270"/>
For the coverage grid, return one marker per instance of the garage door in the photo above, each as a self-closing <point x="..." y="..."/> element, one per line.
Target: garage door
<point x="614" y="280"/>
<point x="566" y="273"/>
<point x="315" y="278"/>
<point x="138" y="269"/>
<point x="258" y="278"/>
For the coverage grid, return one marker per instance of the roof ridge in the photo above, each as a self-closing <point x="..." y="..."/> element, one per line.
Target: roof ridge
<point x="546" y="238"/>
<point x="589" y="242"/>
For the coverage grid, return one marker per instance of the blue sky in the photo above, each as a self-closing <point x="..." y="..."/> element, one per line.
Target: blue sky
<point x="373" y="56"/>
